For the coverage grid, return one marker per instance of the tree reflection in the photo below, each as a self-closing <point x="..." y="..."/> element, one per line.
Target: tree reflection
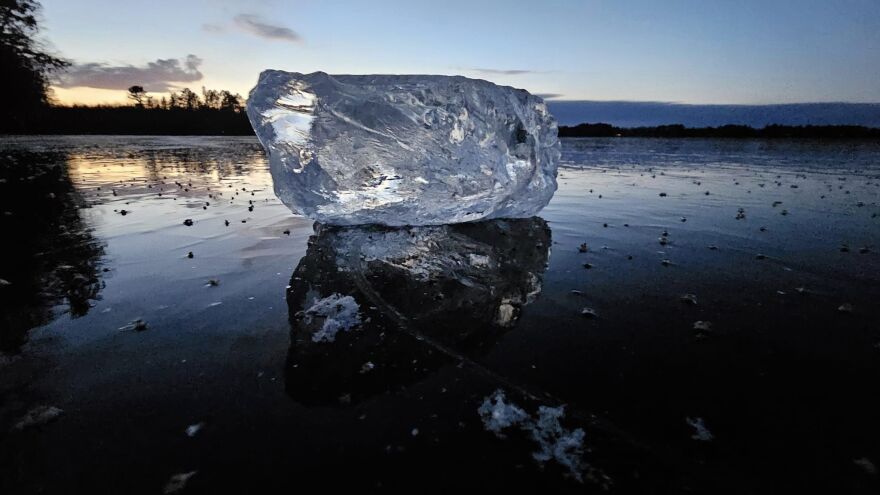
<point x="50" y="256"/>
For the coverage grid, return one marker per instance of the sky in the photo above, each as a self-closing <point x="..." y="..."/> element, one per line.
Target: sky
<point x="697" y="52"/>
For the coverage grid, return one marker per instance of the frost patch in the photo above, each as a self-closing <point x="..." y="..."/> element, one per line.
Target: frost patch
<point x="700" y="431"/>
<point x="340" y="313"/>
<point x="498" y="414"/>
<point x="564" y="446"/>
<point x="178" y="482"/>
<point x="555" y="443"/>
<point x="38" y="416"/>
<point x="480" y="260"/>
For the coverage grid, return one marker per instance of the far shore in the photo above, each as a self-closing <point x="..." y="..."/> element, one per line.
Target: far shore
<point x="132" y="120"/>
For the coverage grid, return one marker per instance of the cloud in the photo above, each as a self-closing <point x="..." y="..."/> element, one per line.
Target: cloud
<point x="212" y="28"/>
<point x="257" y="26"/>
<point x="157" y="76"/>
<point x="503" y="72"/>
<point x="549" y="96"/>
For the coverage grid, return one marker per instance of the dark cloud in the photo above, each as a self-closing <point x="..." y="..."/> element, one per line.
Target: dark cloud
<point x="549" y="96"/>
<point x="503" y="72"/>
<point x="256" y="25"/>
<point x="158" y="76"/>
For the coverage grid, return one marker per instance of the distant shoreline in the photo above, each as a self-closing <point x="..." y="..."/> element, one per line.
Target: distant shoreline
<point x="129" y="121"/>
<point x="726" y="131"/>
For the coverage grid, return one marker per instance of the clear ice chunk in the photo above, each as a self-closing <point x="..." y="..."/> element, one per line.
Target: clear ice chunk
<point x="404" y="149"/>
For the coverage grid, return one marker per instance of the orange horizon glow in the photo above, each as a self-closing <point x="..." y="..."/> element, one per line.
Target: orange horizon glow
<point x="93" y="96"/>
<point x="96" y="96"/>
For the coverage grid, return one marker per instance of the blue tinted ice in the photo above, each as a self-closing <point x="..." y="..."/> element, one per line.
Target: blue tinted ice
<point x="404" y="150"/>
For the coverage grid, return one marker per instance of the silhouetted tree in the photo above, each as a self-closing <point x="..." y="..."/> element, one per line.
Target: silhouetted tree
<point x="138" y="95"/>
<point x="210" y="98"/>
<point x="26" y="65"/>
<point x="188" y="100"/>
<point x="55" y="257"/>
<point x="229" y="101"/>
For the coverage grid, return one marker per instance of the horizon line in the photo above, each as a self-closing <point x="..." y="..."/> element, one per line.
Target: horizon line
<point x="660" y="102"/>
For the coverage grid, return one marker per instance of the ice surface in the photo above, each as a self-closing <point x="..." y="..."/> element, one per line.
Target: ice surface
<point x="404" y="149"/>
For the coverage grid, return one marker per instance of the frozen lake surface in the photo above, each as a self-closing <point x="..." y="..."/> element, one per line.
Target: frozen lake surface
<point x="732" y="342"/>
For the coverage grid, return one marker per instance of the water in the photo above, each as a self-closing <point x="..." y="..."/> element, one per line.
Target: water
<point x="783" y="381"/>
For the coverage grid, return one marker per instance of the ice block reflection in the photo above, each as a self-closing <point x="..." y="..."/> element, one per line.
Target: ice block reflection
<point x="425" y="296"/>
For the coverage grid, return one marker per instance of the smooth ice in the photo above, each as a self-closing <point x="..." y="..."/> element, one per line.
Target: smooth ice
<point x="404" y="149"/>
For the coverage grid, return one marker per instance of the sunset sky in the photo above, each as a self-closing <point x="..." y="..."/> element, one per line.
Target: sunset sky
<point x="747" y="51"/>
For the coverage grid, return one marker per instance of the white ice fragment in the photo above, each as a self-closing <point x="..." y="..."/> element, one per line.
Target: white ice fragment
<point x="703" y="326"/>
<point x="340" y="313"/>
<point x="506" y="315"/>
<point x="479" y="260"/>
<point x="38" y="416"/>
<point x="555" y="443"/>
<point x="866" y="465"/>
<point x="700" y="431"/>
<point x="193" y="430"/>
<point x="6" y="360"/>
<point x="404" y="149"/>
<point x="178" y="482"/>
<point x="498" y="415"/>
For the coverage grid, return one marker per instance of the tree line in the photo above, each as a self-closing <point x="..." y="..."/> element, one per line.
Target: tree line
<point x="28" y="69"/>
<point x="184" y="112"/>
<point x="725" y="131"/>
<point x="186" y="99"/>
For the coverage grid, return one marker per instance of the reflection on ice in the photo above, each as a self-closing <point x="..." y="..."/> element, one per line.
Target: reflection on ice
<point x="51" y="261"/>
<point x="401" y="302"/>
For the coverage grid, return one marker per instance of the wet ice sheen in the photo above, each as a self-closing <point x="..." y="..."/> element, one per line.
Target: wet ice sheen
<point x="404" y="149"/>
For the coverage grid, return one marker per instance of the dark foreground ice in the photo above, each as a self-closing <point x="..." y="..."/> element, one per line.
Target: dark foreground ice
<point x="732" y="344"/>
